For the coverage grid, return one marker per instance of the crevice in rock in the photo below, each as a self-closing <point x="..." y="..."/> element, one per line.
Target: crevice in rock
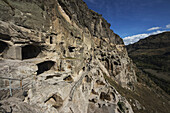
<point x="9" y="5"/>
<point x="112" y="66"/>
<point x="71" y="110"/>
<point x="113" y="95"/>
<point x="69" y="67"/>
<point x="107" y="64"/>
<point x="83" y="68"/>
<point x="104" y="96"/>
<point x="77" y="37"/>
<point x="51" y="76"/>
<point x="55" y="100"/>
<point x="30" y="51"/>
<point x="116" y="63"/>
<point x="25" y="93"/>
<point x="5" y="37"/>
<point x="3" y="46"/>
<point x="68" y="79"/>
<point x="71" y="34"/>
<point x="71" y="49"/>
<point x="94" y="92"/>
<point x="81" y="50"/>
<point x="87" y="79"/>
<point x="121" y="106"/>
<point x="45" y="66"/>
<point x="20" y="42"/>
<point x="103" y="54"/>
<point x="100" y="82"/>
<point x="99" y="105"/>
<point x="51" y="40"/>
<point x="93" y="100"/>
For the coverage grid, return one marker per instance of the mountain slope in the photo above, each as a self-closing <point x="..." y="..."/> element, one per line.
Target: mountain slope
<point x="152" y="55"/>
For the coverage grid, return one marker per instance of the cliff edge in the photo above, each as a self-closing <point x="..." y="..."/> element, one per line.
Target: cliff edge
<point x="61" y="52"/>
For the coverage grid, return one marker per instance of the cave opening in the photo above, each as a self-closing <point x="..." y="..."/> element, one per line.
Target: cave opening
<point x="51" y="40"/>
<point x="116" y="63"/>
<point x="5" y="37"/>
<point x="71" y="49"/>
<point x="104" y="96"/>
<point x="55" y="100"/>
<point x="44" y="66"/>
<point x="77" y="37"/>
<point x="107" y="64"/>
<point x="112" y="66"/>
<point x="68" y="78"/>
<point x="30" y="51"/>
<point x="3" y="46"/>
<point x="87" y="79"/>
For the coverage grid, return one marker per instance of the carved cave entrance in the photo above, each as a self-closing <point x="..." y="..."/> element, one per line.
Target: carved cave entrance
<point x="30" y="51"/>
<point x="3" y="46"/>
<point x="45" y="66"/>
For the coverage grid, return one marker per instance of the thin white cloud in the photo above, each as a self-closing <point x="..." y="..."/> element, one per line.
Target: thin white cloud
<point x="132" y="39"/>
<point x="154" y="28"/>
<point x="168" y="26"/>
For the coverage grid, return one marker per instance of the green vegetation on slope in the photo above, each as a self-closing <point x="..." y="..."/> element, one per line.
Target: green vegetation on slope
<point x="152" y="56"/>
<point x="151" y="98"/>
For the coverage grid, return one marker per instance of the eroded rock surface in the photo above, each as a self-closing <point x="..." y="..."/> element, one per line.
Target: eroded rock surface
<point x="62" y="51"/>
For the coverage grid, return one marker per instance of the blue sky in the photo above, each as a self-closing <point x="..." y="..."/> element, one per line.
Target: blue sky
<point x="134" y="19"/>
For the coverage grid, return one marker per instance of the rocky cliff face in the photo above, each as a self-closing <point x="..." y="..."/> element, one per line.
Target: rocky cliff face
<point x="62" y="51"/>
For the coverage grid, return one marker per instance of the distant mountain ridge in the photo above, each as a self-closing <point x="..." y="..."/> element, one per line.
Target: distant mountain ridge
<point x="152" y="55"/>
